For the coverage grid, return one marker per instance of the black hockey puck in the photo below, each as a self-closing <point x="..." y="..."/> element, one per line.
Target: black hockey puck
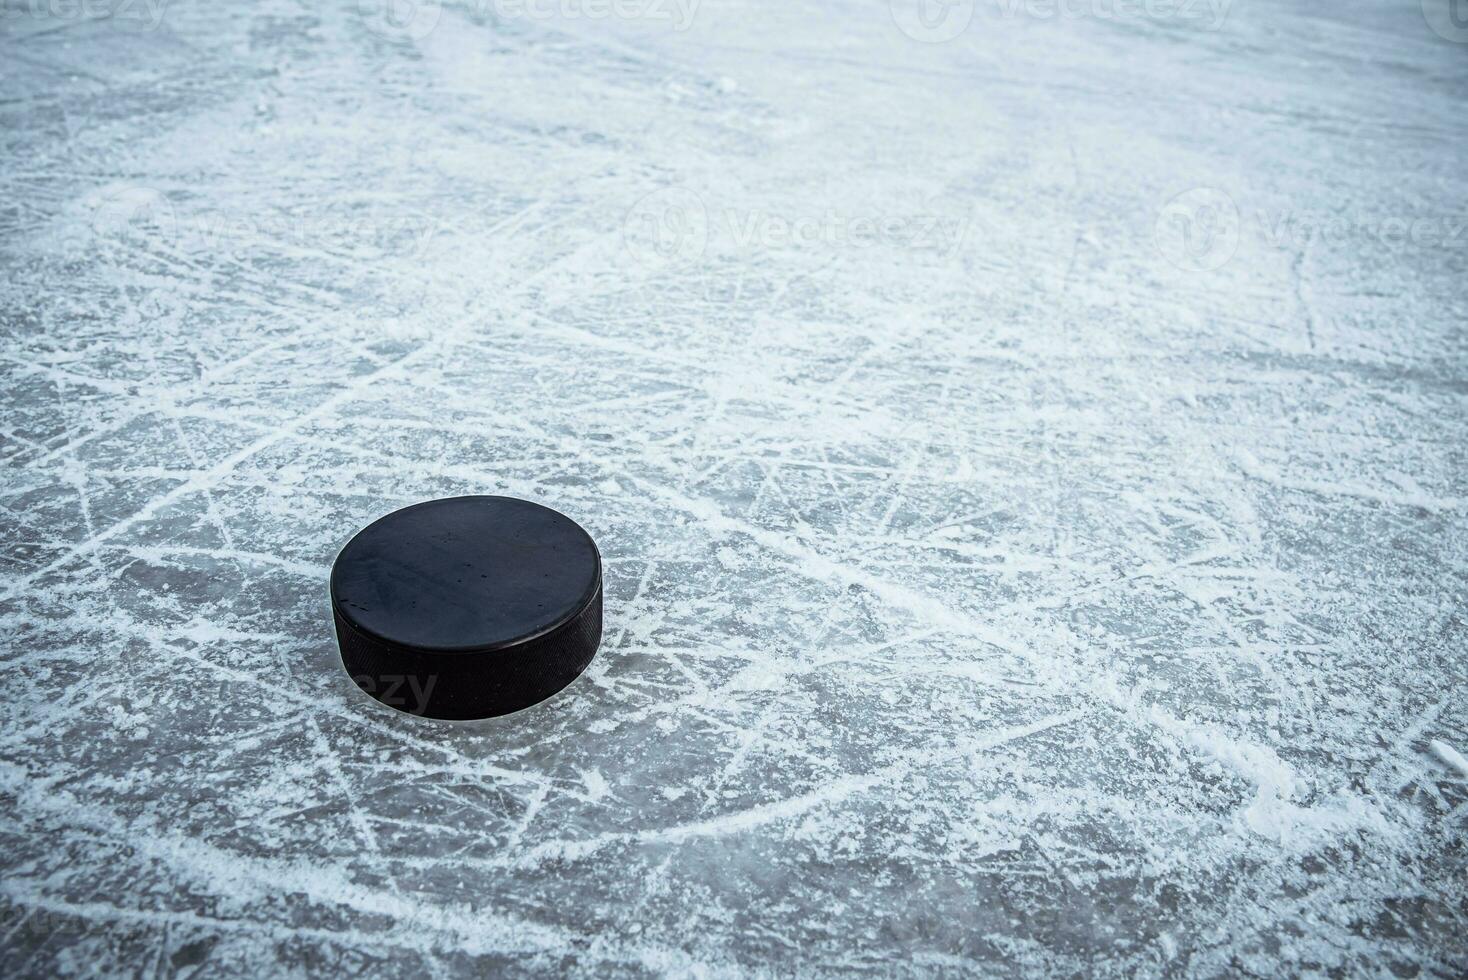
<point x="467" y="607"/>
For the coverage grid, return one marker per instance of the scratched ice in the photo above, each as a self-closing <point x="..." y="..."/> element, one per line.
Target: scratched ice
<point x="1030" y="452"/>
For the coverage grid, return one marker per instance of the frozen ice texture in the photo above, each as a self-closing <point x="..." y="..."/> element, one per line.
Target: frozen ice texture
<point x="1029" y="464"/>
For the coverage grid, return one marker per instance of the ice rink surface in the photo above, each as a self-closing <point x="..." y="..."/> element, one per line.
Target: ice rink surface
<point x="1028" y="445"/>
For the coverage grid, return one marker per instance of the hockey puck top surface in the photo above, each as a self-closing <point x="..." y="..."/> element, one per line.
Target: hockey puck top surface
<point x="465" y="574"/>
